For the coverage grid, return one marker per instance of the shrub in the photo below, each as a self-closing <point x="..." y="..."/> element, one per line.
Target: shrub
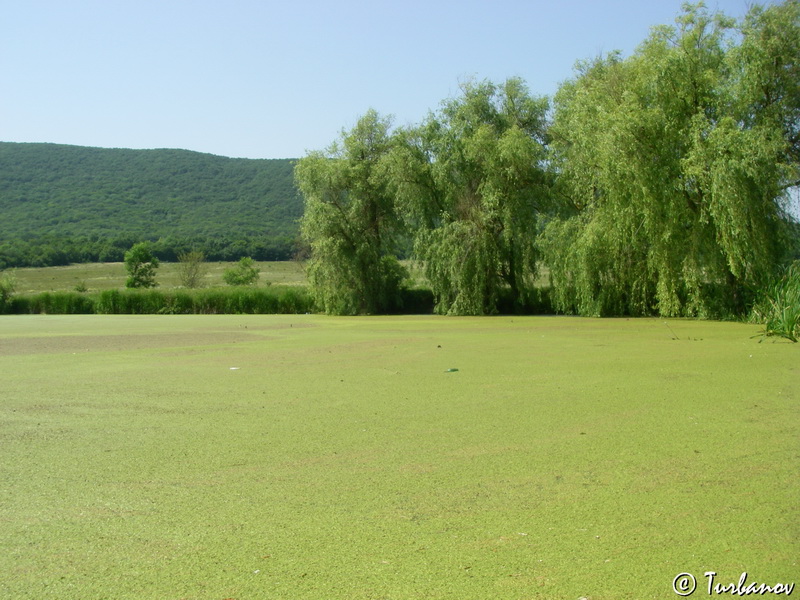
<point x="141" y="266"/>
<point x="192" y="268"/>
<point x="237" y="300"/>
<point x="108" y="303"/>
<point x="52" y="303"/>
<point x="296" y="301"/>
<point x="131" y="302"/>
<point x="245" y="273"/>
<point x="8" y="285"/>
<point x="210" y="301"/>
<point x="779" y="306"/>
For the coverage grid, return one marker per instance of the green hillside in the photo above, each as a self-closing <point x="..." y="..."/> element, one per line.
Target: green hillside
<point x="70" y="203"/>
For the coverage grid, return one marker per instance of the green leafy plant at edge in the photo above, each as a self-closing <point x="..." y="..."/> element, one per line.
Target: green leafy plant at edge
<point x="779" y="307"/>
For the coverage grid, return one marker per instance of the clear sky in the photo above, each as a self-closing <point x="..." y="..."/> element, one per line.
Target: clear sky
<point x="269" y="79"/>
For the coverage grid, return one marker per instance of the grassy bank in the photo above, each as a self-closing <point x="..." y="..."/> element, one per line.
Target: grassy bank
<point x="308" y="457"/>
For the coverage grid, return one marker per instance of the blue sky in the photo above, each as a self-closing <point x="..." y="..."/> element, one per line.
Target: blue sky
<point x="264" y="79"/>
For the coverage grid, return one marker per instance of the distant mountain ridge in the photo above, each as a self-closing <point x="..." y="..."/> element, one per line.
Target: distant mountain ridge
<point x="54" y="191"/>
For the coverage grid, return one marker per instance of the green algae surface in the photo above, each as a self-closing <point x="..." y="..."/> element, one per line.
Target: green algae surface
<point x="246" y="457"/>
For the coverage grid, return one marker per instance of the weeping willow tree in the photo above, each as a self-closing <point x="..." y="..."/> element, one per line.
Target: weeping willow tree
<point x="470" y="182"/>
<point x="673" y="168"/>
<point x="349" y="223"/>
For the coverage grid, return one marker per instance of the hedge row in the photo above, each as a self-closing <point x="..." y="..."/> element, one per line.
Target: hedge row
<point x="175" y="302"/>
<point x="243" y="300"/>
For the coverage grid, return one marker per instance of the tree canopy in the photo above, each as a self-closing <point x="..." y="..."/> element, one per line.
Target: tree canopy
<point x="673" y="166"/>
<point x="470" y="182"/>
<point x="350" y="221"/>
<point x="657" y="184"/>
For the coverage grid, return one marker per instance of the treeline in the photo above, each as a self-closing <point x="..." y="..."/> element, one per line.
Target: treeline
<point x="654" y="184"/>
<point x="54" y="251"/>
<point x="64" y="204"/>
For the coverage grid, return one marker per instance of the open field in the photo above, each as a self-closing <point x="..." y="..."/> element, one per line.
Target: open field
<point x="106" y="276"/>
<point x="305" y="457"/>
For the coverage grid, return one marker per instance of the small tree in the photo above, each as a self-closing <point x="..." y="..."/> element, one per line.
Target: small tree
<point x="192" y="268"/>
<point x="141" y="266"/>
<point x="245" y="273"/>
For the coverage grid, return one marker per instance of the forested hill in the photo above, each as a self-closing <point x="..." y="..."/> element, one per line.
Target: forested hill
<point x="64" y="203"/>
